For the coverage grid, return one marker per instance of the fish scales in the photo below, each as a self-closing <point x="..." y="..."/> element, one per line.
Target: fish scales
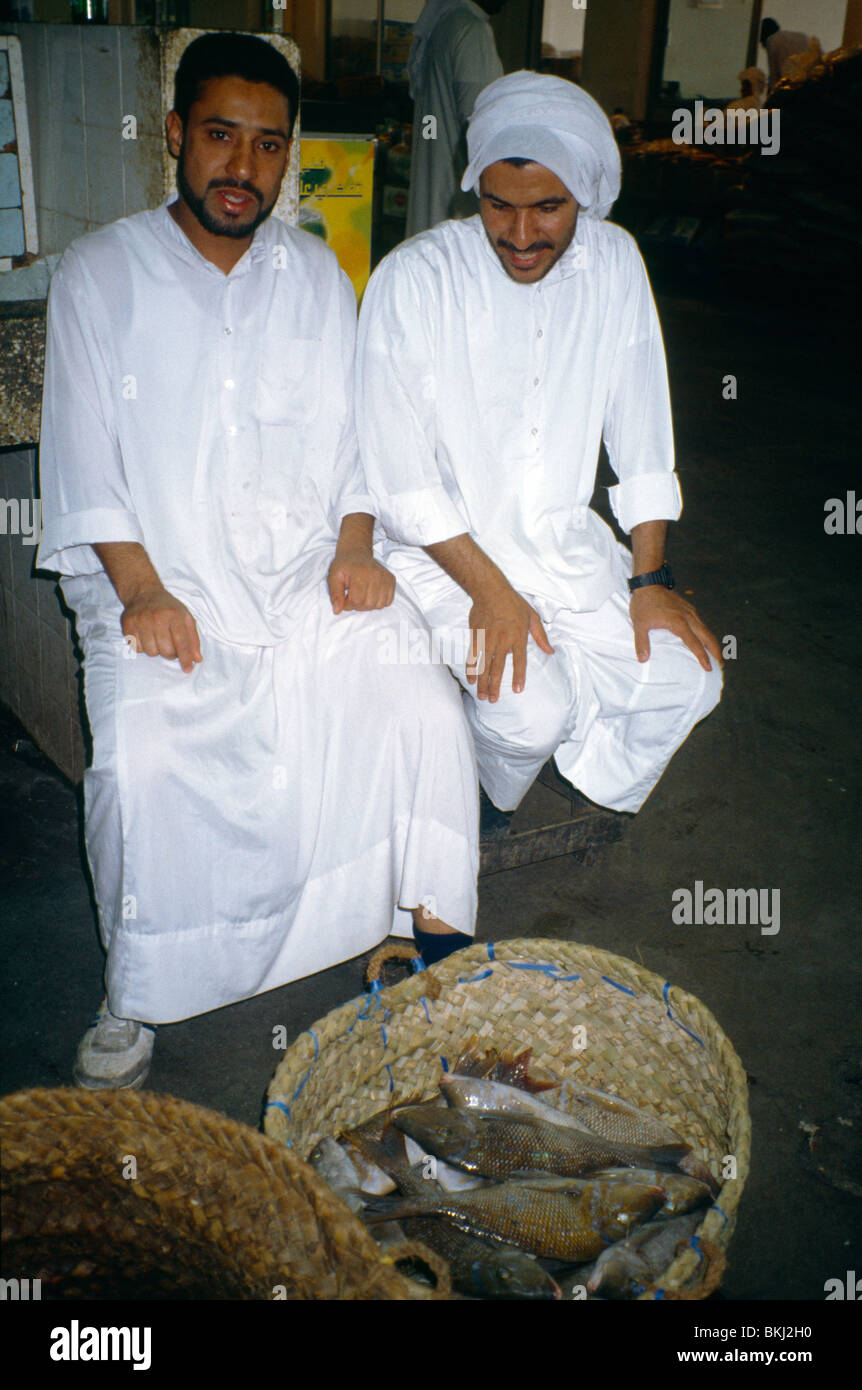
<point x="497" y="1145"/>
<point x="560" y="1225"/>
<point x="613" y="1118"/>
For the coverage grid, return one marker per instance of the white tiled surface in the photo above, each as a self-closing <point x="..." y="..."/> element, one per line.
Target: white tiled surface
<point x="81" y="81"/>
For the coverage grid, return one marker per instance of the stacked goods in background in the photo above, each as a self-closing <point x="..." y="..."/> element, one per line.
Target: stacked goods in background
<point x="785" y="226"/>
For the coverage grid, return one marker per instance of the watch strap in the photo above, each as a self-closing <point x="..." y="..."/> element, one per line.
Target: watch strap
<point x="660" y="576"/>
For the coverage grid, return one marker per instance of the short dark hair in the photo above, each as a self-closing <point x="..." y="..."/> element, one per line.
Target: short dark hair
<point x="767" y="29"/>
<point x="517" y="160"/>
<point x="229" y="54"/>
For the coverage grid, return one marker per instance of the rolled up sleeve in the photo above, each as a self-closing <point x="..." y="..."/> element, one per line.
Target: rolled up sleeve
<point x="638" y="430"/>
<point x="85" y="496"/>
<point x="396" y="411"/>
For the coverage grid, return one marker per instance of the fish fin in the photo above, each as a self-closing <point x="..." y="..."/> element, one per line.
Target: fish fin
<point x="695" y="1168"/>
<point x="393" y="1208"/>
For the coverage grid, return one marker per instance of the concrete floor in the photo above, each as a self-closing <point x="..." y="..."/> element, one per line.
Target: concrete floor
<point x="765" y="794"/>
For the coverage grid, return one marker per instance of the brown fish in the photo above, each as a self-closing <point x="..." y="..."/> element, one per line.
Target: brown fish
<point x="477" y="1269"/>
<point x="500" y="1145"/>
<point x="574" y="1224"/>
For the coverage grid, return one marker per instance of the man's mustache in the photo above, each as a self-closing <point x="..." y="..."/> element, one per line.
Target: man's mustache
<point x="536" y="246"/>
<point x="234" y="183"/>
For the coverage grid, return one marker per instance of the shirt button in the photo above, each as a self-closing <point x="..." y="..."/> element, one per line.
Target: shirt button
<point x="534" y="431"/>
<point x="535" y="381"/>
<point x="229" y="384"/>
<point x="228" y="330"/>
<point x="539" y="334"/>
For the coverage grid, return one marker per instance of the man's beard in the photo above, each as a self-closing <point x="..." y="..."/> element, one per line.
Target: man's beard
<point x="212" y="223"/>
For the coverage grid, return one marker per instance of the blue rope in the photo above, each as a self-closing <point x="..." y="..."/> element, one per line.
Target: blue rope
<point x="676" y="1020"/>
<point x="391" y="1082"/>
<point x="547" y="969"/>
<point x="625" y="989"/>
<point x="471" y="979"/>
<point x="423" y="1002"/>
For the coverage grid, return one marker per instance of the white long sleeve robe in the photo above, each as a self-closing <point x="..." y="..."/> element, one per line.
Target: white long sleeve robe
<point x="264" y="816"/>
<point x="481" y="408"/>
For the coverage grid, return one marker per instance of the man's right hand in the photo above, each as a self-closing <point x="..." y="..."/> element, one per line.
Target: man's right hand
<point x="501" y="621"/>
<point x="162" y="626"/>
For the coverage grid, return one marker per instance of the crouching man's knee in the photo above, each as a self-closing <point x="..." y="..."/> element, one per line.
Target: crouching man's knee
<point x="537" y="720"/>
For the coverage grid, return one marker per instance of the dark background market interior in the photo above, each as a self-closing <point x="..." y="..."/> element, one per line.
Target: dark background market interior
<point x="755" y="258"/>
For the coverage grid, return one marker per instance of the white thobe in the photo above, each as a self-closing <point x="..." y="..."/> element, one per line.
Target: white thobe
<point x="481" y="408"/>
<point x="264" y="816"/>
<point x="459" y="60"/>
<point x="780" y="47"/>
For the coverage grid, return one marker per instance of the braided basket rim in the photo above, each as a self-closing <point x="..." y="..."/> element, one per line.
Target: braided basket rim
<point x="354" y="1028"/>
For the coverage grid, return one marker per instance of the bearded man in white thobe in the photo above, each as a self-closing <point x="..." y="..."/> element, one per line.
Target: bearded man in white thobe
<point x="494" y="356"/>
<point x="452" y="58"/>
<point x="260" y="802"/>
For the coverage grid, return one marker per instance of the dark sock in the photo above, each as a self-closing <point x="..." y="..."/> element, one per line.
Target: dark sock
<point x="434" y="946"/>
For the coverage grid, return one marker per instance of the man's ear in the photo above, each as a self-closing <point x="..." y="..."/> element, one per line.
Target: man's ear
<point x="174" y="133"/>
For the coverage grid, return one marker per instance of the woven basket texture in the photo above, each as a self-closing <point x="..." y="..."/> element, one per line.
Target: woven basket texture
<point x="587" y="1014"/>
<point x="215" y="1211"/>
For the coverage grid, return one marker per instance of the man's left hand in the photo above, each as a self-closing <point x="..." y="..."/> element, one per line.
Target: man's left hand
<point x="654" y="606"/>
<point x="358" y="582"/>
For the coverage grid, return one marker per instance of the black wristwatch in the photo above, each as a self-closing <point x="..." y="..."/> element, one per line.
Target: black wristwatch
<point x="662" y="576"/>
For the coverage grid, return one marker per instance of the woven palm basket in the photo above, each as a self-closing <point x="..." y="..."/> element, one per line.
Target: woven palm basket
<point x="586" y="1014"/>
<point x="126" y="1195"/>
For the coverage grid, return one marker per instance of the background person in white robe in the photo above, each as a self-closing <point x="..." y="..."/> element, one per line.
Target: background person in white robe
<point x="494" y="356"/>
<point x="452" y="58"/>
<point x="261" y="802"/>
<point x="781" y="45"/>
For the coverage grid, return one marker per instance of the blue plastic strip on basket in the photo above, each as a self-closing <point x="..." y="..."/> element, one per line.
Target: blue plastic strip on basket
<point x="365" y="1007"/>
<point x="676" y="1020"/>
<point x="391" y="1082"/>
<point x="383" y="1034"/>
<point x="545" y="967"/>
<point x="445" y="1063"/>
<point x="471" y="979"/>
<point x="491" y="955"/>
<point x="694" y="1242"/>
<point x="716" y="1207"/>
<point x="417" y="964"/>
<point x="616" y="984"/>
<point x="279" y="1105"/>
<point x="311" y="1033"/>
<point x="424" y="1003"/>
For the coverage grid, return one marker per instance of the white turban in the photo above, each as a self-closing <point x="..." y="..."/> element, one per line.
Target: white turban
<point x="528" y="115"/>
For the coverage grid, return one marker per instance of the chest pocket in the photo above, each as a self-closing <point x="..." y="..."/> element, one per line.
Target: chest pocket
<point x="288" y="382"/>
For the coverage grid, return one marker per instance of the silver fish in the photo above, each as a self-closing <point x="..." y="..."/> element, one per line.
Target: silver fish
<point x="627" y="1268"/>
<point x="477" y="1093"/>
<point x="329" y="1160"/>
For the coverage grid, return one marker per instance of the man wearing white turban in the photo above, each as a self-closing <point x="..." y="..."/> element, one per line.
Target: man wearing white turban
<point x="496" y="354"/>
<point x="452" y="58"/>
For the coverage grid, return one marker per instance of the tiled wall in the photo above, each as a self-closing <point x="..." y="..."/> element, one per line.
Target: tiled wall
<point x="38" y="665"/>
<point x="82" y="81"/>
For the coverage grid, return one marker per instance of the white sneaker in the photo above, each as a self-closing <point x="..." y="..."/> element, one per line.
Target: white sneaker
<point x="114" y="1053"/>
